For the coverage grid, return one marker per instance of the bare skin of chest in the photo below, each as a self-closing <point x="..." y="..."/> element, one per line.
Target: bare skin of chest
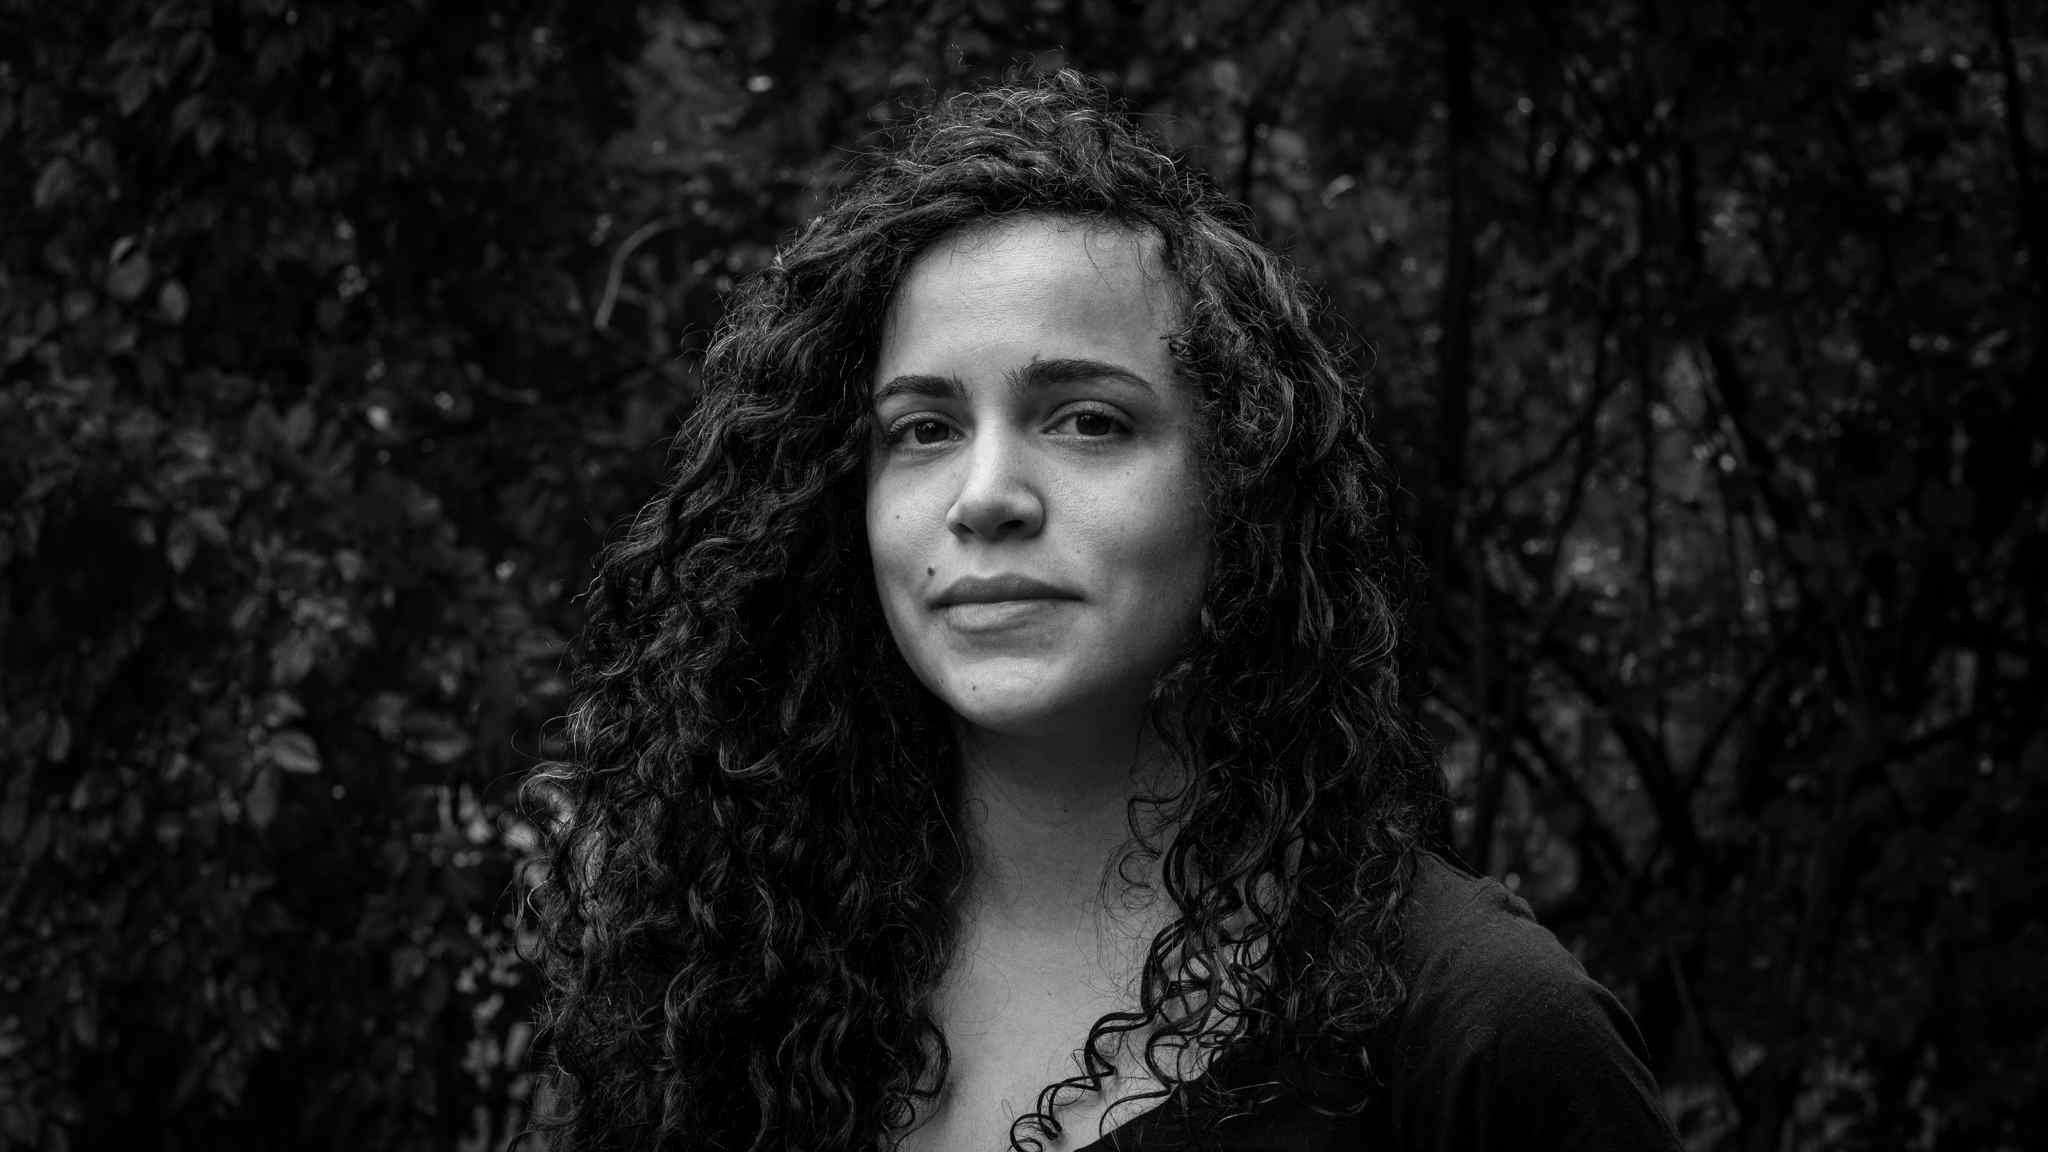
<point x="1006" y="1049"/>
<point x="1013" y="1029"/>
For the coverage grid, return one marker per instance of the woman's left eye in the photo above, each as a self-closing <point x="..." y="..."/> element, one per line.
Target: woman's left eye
<point x="1093" y="424"/>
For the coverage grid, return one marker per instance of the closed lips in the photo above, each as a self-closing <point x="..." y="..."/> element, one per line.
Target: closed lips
<point x="995" y="589"/>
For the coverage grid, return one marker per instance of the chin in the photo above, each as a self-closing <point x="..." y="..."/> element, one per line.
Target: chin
<point x="1032" y="706"/>
<point x="1005" y="709"/>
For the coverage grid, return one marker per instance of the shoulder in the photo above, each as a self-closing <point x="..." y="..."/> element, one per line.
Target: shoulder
<point x="1472" y="953"/>
<point x="1504" y="1034"/>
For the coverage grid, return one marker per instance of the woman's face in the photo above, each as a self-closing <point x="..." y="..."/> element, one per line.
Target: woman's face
<point x="1033" y="496"/>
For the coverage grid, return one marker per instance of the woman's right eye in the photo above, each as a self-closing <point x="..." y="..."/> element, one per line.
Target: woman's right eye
<point x="920" y="430"/>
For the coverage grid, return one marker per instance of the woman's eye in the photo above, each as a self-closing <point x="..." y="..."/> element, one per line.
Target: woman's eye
<point x="930" y="431"/>
<point x="922" y="431"/>
<point x="1094" y="425"/>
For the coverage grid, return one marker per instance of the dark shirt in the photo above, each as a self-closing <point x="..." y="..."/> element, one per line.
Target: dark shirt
<point x="1503" y="1042"/>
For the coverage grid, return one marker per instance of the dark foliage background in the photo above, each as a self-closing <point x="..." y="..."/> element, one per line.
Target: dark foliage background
<point x="336" y="337"/>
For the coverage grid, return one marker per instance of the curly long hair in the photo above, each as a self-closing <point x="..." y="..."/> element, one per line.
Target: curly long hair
<point x="748" y="869"/>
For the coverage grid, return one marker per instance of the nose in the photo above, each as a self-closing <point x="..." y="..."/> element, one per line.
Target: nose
<point x="997" y="498"/>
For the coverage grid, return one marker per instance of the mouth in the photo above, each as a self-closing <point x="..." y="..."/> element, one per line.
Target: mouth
<point x="989" y="616"/>
<point x="994" y="590"/>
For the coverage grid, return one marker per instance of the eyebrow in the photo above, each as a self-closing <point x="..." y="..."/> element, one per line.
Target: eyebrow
<point x="1035" y="375"/>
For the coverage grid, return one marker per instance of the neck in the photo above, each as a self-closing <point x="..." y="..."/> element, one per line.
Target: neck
<point x="1042" y="818"/>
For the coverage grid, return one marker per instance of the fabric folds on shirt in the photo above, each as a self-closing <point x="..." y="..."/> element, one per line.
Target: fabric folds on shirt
<point x="1503" y="1042"/>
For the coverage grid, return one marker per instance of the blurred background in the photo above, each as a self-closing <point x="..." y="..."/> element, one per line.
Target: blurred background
<point x="1707" y="338"/>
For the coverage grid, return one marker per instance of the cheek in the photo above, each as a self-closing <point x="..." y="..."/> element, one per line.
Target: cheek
<point x="892" y="545"/>
<point x="1192" y="536"/>
<point x="884" y="529"/>
<point x="1166" y="548"/>
<point x="1177" y="512"/>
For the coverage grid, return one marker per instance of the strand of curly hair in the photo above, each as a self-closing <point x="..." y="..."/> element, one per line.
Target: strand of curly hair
<point x="749" y="862"/>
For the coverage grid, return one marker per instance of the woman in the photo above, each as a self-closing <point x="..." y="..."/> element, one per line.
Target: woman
<point x="988" y="737"/>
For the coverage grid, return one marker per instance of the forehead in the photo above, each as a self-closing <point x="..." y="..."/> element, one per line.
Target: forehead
<point x="1034" y="280"/>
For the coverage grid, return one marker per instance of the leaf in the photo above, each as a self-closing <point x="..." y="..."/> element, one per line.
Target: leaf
<point x="294" y="751"/>
<point x="196" y="53"/>
<point x="131" y="91"/>
<point x="78" y="304"/>
<point x="445" y="749"/>
<point x="298" y="424"/>
<point x="171" y="302"/>
<point x="291" y="658"/>
<point x="194" y="442"/>
<point x="180" y="543"/>
<point x="384" y="713"/>
<point x="245" y="612"/>
<point x="138" y="432"/>
<point x="378" y="71"/>
<point x="85" y="1025"/>
<point x="55" y="183"/>
<point x="226" y="1077"/>
<point x="168" y="828"/>
<point x="129" y="276"/>
<point x="209" y="524"/>
<point x="436" y="736"/>
<point x="60" y="738"/>
<point x="262" y="799"/>
<point x="281" y="708"/>
<point x="186" y="115"/>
